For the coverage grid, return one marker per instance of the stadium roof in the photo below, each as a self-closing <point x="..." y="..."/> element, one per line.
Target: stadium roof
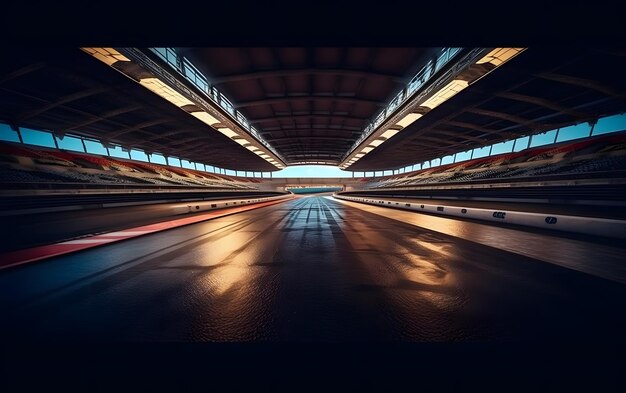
<point x="309" y="105"/>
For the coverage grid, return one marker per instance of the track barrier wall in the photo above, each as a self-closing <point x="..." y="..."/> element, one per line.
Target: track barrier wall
<point x="577" y="224"/>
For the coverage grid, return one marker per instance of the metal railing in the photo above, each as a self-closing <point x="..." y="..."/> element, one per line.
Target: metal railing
<point x="185" y="68"/>
<point x="416" y="82"/>
<point x="192" y="74"/>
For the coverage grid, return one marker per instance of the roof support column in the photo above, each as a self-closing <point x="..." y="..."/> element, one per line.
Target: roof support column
<point x="17" y="131"/>
<point x="179" y="62"/>
<point x="56" y="143"/>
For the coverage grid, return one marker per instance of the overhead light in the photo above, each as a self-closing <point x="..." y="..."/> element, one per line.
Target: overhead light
<point x="389" y="133"/>
<point x="156" y="86"/>
<point x="111" y="56"/>
<point x="241" y="141"/>
<point x="408" y="119"/>
<point x="496" y="57"/>
<point x="359" y="155"/>
<point x="252" y="148"/>
<point x="500" y="56"/>
<point x="444" y="94"/>
<point x="205" y="118"/>
<point x="228" y="132"/>
<point x="106" y="55"/>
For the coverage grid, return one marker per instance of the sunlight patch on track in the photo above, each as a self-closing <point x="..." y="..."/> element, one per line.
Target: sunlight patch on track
<point x="601" y="260"/>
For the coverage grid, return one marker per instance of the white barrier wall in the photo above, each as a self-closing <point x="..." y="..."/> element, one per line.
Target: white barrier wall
<point x="193" y="207"/>
<point x="585" y="225"/>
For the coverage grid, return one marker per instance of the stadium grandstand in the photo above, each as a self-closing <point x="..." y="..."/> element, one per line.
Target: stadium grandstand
<point x="26" y="166"/>
<point x="313" y="194"/>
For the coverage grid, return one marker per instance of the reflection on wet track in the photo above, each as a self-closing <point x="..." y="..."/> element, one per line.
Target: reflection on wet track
<point x="310" y="269"/>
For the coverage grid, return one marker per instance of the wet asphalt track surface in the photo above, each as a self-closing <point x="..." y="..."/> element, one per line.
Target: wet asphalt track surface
<point x="307" y="270"/>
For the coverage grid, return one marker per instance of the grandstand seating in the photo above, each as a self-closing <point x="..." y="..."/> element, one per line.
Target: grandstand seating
<point x="20" y="165"/>
<point x="589" y="158"/>
<point x="582" y="159"/>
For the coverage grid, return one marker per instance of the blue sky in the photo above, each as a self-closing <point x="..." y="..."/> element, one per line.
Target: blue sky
<point x="311" y="171"/>
<point x="604" y="125"/>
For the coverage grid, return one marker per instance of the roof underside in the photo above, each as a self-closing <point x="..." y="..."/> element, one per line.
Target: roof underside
<point x="539" y="90"/>
<point x="311" y="104"/>
<point x="68" y="91"/>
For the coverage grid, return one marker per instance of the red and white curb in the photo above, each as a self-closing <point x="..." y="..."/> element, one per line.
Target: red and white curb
<point x="19" y="257"/>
